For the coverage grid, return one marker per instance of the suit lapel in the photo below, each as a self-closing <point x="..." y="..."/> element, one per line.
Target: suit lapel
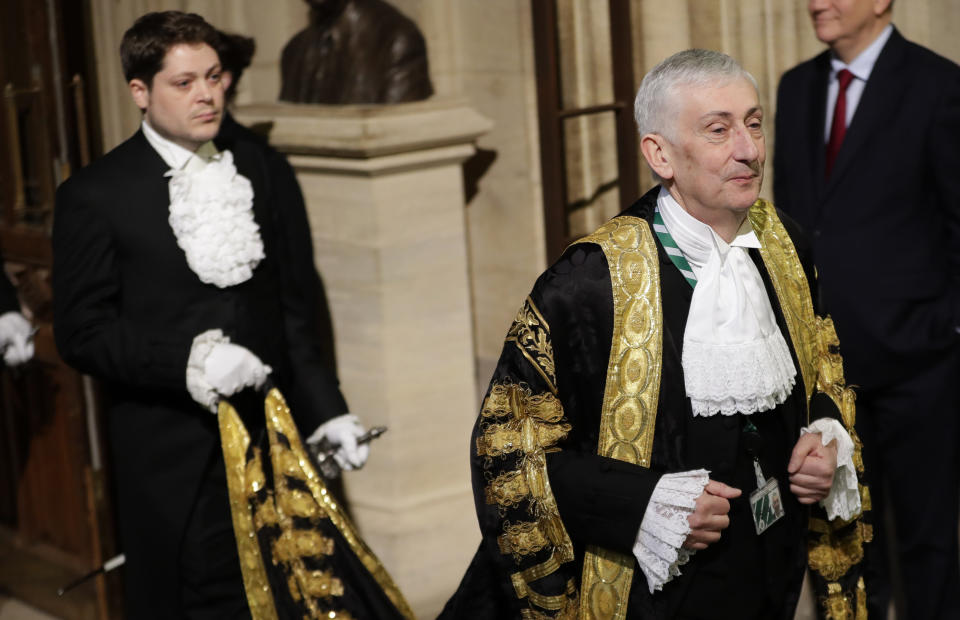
<point x="816" y="121"/>
<point x="881" y="97"/>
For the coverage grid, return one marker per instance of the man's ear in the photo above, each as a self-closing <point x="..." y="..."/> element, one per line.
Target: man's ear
<point x="657" y="153"/>
<point x="226" y="78"/>
<point x="140" y="93"/>
<point x="881" y="6"/>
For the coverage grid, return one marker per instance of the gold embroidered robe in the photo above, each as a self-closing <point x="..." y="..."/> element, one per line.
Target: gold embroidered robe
<point x="586" y="410"/>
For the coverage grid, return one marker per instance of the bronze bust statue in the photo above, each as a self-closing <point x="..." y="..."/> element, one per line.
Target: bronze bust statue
<point x="355" y="51"/>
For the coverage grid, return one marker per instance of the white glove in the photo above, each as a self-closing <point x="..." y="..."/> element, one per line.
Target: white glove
<point x="218" y="368"/>
<point x="343" y="431"/>
<point x="16" y="338"/>
<point x="229" y="368"/>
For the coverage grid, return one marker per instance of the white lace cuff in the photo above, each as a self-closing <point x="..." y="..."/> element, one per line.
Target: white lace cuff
<point x="844" y="498"/>
<point x="197" y="384"/>
<point x="659" y="543"/>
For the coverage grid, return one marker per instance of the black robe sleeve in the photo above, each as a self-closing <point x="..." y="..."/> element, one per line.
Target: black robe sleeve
<point x="542" y="492"/>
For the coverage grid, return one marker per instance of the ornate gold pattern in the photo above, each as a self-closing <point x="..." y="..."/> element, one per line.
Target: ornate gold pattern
<point x="255" y="506"/>
<point x="861" y="600"/>
<point x="299" y="466"/>
<point x="500" y="439"/>
<point x="522" y="539"/>
<point x="835" y="552"/>
<point x="517" y="422"/>
<point x="837" y="605"/>
<point x="631" y="391"/>
<point x="550" y="603"/>
<point x="235" y="441"/>
<point x="833" y="547"/>
<point x="793" y="291"/>
<point x="569" y="611"/>
<point x="507" y="489"/>
<point x="531" y="333"/>
<point x="293" y="544"/>
<point x="322" y="584"/>
<point x="534" y="573"/>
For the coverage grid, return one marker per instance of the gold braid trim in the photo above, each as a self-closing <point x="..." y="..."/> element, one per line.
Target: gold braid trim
<point x="861" y="600"/>
<point x="833" y="555"/>
<point x="837" y="605"/>
<point x="322" y="584"/>
<point x="500" y="439"/>
<point x="531" y="334"/>
<point x="527" y="424"/>
<point x="833" y="547"/>
<point x="293" y="544"/>
<point x="630" y="393"/>
<point x="244" y="478"/>
<point x="507" y="489"/>
<point x="550" y="603"/>
<point x="790" y="283"/>
<point x="294" y="462"/>
<point x="522" y="539"/>
<point x="831" y="382"/>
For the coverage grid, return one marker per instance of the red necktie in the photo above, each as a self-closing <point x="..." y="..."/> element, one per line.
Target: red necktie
<point x="838" y="129"/>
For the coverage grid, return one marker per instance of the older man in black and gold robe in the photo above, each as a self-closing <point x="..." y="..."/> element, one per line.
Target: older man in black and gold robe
<point x="667" y="433"/>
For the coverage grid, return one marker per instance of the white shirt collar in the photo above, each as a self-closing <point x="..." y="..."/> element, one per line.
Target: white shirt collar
<point x="694" y="238"/>
<point x="734" y="357"/>
<point x="862" y="65"/>
<point x="172" y="153"/>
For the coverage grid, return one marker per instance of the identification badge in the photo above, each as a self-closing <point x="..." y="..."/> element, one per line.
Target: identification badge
<point x="765" y="503"/>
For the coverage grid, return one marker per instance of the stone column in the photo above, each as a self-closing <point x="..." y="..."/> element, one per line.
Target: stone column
<point x="384" y="193"/>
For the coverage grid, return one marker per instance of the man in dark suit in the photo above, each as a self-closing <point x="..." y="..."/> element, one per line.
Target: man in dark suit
<point x="16" y="335"/>
<point x="182" y="277"/>
<point x="867" y="160"/>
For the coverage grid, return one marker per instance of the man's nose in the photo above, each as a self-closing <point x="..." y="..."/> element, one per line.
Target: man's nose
<point x="204" y="90"/>
<point x="745" y="146"/>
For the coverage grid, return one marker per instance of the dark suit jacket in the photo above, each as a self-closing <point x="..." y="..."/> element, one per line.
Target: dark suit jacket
<point x="126" y="309"/>
<point x="886" y="226"/>
<point x="602" y="501"/>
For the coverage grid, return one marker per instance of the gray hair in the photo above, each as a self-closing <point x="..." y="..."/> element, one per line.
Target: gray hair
<point x="655" y="103"/>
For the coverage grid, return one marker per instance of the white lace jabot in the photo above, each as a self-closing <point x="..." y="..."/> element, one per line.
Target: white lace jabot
<point x="734" y="357"/>
<point x="211" y="211"/>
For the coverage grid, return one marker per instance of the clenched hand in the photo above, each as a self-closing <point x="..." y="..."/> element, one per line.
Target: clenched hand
<point x="709" y="517"/>
<point x="811" y="468"/>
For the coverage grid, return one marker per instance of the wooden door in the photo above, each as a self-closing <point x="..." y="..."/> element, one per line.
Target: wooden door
<point x="584" y="56"/>
<point x="55" y="518"/>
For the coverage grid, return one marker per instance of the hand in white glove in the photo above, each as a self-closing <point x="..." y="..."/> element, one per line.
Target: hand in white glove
<point x="218" y="368"/>
<point x="229" y="368"/>
<point x="343" y="431"/>
<point x="16" y="338"/>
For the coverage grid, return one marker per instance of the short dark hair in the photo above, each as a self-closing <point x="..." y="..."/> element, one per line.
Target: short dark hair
<point x="147" y="41"/>
<point x="236" y="51"/>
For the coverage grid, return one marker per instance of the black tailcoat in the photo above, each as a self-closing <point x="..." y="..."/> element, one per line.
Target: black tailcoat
<point x="126" y="309"/>
<point x="8" y="294"/>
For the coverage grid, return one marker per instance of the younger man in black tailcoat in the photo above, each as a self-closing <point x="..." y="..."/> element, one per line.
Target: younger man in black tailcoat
<point x="178" y="281"/>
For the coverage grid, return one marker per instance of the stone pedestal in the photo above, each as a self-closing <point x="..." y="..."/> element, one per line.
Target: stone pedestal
<point x="384" y="193"/>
